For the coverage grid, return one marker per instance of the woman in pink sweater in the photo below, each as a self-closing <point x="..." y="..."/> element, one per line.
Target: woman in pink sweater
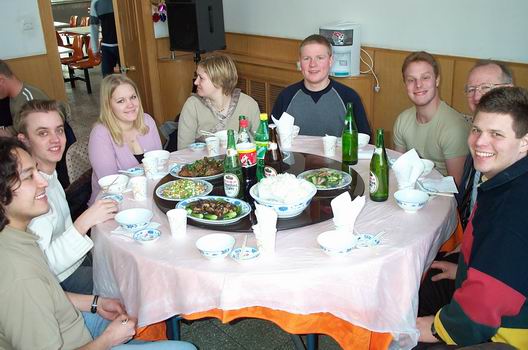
<point x="123" y="132"/>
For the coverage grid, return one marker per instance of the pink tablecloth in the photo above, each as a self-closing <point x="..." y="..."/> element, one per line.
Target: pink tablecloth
<point x="375" y="288"/>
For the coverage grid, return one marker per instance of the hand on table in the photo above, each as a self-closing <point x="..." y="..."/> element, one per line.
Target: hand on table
<point x="449" y="270"/>
<point x="110" y="309"/>
<point x="100" y="211"/>
<point x="424" y="327"/>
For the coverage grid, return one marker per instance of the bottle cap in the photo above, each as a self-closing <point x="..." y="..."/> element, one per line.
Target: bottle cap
<point x="263" y="116"/>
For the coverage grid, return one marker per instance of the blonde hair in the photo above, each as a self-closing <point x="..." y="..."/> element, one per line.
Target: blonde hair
<point x="107" y="116"/>
<point x="222" y="71"/>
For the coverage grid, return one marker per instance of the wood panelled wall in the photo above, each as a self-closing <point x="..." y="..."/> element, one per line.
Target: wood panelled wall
<point x="43" y="71"/>
<point x="267" y="64"/>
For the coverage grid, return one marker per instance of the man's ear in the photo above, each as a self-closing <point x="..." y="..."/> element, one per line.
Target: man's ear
<point x="524" y="144"/>
<point x="21" y="137"/>
<point x="437" y="81"/>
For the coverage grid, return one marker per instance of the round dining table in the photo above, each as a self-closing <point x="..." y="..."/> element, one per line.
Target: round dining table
<point x="366" y="299"/>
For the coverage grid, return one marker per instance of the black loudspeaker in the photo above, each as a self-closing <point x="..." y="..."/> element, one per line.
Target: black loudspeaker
<point x="196" y="25"/>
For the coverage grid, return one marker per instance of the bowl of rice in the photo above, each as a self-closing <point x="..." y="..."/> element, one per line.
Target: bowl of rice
<point x="286" y="194"/>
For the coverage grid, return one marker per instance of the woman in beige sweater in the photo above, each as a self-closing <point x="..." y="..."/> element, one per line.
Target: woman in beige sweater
<point x="217" y="104"/>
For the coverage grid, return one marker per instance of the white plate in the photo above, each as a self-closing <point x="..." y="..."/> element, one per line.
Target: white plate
<point x="175" y="170"/>
<point x="249" y="253"/>
<point x="244" y="207"/>
<point x="345" y="180"/>
<point x="159" y="190"/>
<point x="145" y="236"/>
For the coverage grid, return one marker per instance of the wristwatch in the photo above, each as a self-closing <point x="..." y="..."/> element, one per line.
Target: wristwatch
<point x="435" y="334"/>
<point x="93" y="308"/>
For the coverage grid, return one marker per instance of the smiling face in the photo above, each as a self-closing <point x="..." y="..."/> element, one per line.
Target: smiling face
<point x="493" y="143"/>
<point x="204" y="85"/>
<point x="421" y="83"/>
<point x="481" y="80"/>
<point x="125" y="104"/>
<point x="316" y="62"/>
<point x="45" y="138"/>
<point x="29" y="193"/>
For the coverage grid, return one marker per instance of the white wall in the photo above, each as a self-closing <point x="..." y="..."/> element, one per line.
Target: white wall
<point x="472" y="28"/>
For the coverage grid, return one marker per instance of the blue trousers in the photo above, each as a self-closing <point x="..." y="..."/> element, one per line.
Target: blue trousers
<point x="96" y="325"/>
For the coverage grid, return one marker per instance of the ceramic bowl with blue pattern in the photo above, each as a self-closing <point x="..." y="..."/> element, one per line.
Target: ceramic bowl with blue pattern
<point x="411" y="200"/>
<point x="215" y="246"/>
<point x="134" y="219"/>
<point x="337" y="243"/>
<point x="146" y="236"/>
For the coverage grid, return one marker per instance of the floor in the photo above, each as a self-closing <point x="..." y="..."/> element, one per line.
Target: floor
<point x="207" y="334"/>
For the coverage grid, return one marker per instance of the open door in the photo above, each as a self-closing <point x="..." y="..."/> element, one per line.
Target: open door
<point x="132" y="47"/>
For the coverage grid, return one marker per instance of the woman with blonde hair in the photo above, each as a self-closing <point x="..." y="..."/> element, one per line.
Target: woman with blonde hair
<point x="123" y="132"/>
<point x="217" y="103"/>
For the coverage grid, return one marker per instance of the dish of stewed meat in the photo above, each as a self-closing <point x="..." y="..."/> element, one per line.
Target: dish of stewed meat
<point x="212" y="209"/>
<point x="202" y="167"/>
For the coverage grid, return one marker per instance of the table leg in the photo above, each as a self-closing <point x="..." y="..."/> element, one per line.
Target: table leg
<point x="173" y="328"/>
<point x="312" y="339"/>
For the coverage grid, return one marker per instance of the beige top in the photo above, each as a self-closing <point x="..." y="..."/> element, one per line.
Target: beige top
<point x="34" y="311"/>
<point x="444" y="137"/>
<point x="196" y="116"/>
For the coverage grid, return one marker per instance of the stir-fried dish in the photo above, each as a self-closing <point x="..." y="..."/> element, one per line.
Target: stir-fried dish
<point x="203" y="167"/>
<point x="212" y="209"/>
<point x="183" y="188"/>
<point x="325" y="178"/>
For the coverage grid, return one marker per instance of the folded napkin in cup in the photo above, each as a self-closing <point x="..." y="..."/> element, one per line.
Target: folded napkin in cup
<point x="346" y="211"/>
<point x="284" y="124"/>
<point x="434" y="186"/>
<point x="408" y="169"/>
<point x="266" y="229"/>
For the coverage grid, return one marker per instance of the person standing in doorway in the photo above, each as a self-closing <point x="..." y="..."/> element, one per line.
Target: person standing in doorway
<point x="102" y="16"/>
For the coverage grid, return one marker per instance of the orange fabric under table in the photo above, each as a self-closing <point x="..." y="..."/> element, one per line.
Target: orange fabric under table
<point x="344" y="333"/>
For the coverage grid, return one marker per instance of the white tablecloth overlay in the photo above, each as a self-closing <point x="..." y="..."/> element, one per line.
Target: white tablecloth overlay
<point x="376" y="288"/>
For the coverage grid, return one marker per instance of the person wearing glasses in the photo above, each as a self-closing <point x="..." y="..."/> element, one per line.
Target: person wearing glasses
<point x="431" y="126"/>
<point x="317" y="102"/>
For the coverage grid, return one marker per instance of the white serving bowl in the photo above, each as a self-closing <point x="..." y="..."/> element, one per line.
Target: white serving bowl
<point x="336" y="243"/>
<point x="285" y="210"/>
<point x="411" y="200"/>
<point x="428" y="166"/>
<point x="197" y="146"/>
<point x="115" y="183"/>
<point x="363" y="140"/>
<point x="296" y="130"/>
<point x="215" y="246"/>
<point x="159" y="154"/>
<point x="134" y="219"/>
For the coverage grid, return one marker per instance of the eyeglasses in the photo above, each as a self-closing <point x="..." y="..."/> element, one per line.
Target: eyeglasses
<point x="482" y="88"/>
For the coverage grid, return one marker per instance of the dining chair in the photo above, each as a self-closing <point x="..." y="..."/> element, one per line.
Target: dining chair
<point x="92" y="61"/>
<point x="85" y="21"/>
<point x="73" y="21"/>
<point x="77" y="55"/>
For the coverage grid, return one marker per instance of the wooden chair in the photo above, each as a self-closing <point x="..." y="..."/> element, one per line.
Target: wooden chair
<point x="92" y="61"/>
<point x="73" y="21"/>
<point x="85" y="21"/>
<point x="77" y="55"/>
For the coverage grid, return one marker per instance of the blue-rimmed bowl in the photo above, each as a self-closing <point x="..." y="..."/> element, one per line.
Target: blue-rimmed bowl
<point x="134" y="219"/>
<point x="215" y="246"/>
<point x="197" y="146"/>
<point x="285" y="210"/>
<point x="336" y="243"/>
<point x="411" y="200"/>
<point x="146" y="236"/>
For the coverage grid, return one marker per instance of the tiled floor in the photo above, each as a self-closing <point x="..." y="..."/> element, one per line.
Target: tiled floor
<point x="207" y="334"/>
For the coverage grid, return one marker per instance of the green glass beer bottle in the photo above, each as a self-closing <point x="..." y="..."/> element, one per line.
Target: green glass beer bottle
<point x="233" y="178"/>
<point x="262" y="141"/>
<point x="379" y="171"/>
<point x="349" y="139"/>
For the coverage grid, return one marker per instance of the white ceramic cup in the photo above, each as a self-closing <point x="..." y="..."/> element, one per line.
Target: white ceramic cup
<point x="139" y="187"/>
<point x="286" y="138"/>
<point x="150" y="164"/>
<point x="213" y="146"/>
<point x="177" y="222"/>
<point x="265" y="241"/>
<point x="162" y="158"/>
<point x="329" y="145"/>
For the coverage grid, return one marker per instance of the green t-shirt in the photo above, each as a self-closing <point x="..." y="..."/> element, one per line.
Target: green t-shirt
<point x="444" y="137"/>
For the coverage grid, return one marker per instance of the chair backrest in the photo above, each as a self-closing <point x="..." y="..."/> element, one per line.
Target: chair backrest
<point x="59" y="39"/>
<point x="73" y="21"/>
<point x="77" y="161"/>
<point x="78" y="53"/>
<point x="94" y="59"/>
<point x="85" y="21"/>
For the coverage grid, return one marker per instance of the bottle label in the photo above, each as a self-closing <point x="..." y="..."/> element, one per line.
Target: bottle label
<point x="269" y="171"/>
<point x="373" y="183"/>
<point x="262" y="147"/>
<point x="247" y="154"/>
<point x="231" y="185"/>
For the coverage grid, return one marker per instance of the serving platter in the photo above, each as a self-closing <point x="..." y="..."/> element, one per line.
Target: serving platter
<point x="208" y="187"/>
<point x="175" y="171"/>
<point x="329" y="185"/>
<point x="243" y="207"/>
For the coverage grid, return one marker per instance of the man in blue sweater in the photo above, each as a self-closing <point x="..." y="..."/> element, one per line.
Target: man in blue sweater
<point x="102" y="14"/>
<point x="317" y="102"/>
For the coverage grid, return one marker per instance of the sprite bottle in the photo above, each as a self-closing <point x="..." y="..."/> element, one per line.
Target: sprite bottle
<point x="379" y="171"/>
<point x="262" y="141"/>
<point x="349" y="139"/>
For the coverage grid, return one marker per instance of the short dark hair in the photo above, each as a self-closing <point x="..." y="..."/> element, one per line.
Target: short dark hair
<point x="36" y="106"/>
<point x="507" y="75"/>
<point x="316" y="39"/>
<point x="5" y="70"/>
<point x="509" y="100"/>
<point x="9" y="175"/>
<point x="420" y="56"/>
